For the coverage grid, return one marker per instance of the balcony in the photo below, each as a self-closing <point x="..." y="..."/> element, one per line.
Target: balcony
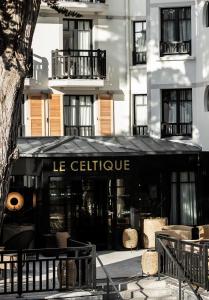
<point x="140" y="130"/>
<point x="176" y="129"/>
<point x="81" y="6"/>
<point x="175" y="48"/>
<point x="78" y="68"/>
<point x="79" y="130"/>
<point x="139" y="58"/>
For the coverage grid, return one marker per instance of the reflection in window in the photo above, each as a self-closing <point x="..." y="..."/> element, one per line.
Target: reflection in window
<point x="123" y="203"/>
<point x="175" y="31"/>
<point x="139" y="51"/>
<point x="176" y="112"/>
<point x="78" y="115"/>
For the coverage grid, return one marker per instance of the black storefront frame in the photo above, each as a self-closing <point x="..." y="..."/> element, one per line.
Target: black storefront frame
<point x="143" y="168"/>
<point x="79" y="176"/>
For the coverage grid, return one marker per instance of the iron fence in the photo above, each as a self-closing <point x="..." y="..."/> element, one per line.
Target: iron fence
<point x="39" y="270"/>
<point x="176" y="129"/>
<point x="79" y="130"/>
<point x="139" y="57"/>
<point x="183" y="260"/>
<point x="141" y="130"/>
<point x="172" y="48"/>
<point x="79" y="64"/>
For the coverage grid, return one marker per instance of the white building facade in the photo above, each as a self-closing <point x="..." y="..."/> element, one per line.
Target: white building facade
<point x="115" y="118"/>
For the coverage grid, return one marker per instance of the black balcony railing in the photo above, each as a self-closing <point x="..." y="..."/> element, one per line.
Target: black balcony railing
<point x="79" y="64"/>
<point x="21" y="130"/>
<point x="172" y="48"/>
<point x="139" y="58"/>
<point x="85" y="1"/>
<point x="186" y="261"/>
<point x="79" y="130"/>
<point x="141" y="130"/>
<point x="176" y="129"/>
<point x="35" y="270"/>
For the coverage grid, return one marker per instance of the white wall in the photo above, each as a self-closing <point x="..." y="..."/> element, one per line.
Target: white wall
<point x="179" y="71"/>
<point x="113" y="32"/>
<point x="46" y="38"/>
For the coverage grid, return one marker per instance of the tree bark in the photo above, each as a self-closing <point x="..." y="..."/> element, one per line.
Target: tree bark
<point x="17" y="23"/>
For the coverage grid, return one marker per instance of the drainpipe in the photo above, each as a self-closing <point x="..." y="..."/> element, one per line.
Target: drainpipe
<point x="128" y="61"/>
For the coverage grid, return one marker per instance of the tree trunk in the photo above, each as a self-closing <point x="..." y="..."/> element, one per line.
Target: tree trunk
<point x="17" y="23"/>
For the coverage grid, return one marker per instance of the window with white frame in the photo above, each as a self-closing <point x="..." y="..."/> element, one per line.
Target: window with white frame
<point x="78" y="115"/>
<point x="176" y="112"/>
<point x="140" y="115"/>
<point x="139" y="49"/>
<point x="175" y="31"/>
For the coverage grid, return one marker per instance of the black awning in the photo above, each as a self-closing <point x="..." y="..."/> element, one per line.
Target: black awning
<point x="101" y="146"/>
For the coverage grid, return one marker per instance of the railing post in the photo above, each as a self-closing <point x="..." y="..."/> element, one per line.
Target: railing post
<point x="179" y="289"/>
<point x="19" y="273"/>
<point x="93" y="266"/>
<point x="205" y="266"/>
<point x="108" y="288"/>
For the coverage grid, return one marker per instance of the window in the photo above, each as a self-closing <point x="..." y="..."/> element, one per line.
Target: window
<point x="140" y="115"/>
<point x="139" y="51"/>
<point x="21" y="121"/>
<point x="206" y="14"/>
<point x="175" y="31"/>
<point x="183" y="198"/>
<point x="176" y="112"/>
<point x="77" y="34"/>
<point x="78" y="115"/>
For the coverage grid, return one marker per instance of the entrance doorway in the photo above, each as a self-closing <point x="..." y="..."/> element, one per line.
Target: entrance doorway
<point x="90" y="209"/>
<point x="80" y="207"/>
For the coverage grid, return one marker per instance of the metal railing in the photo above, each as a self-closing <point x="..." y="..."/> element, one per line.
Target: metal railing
<point x="176" y="129"/>
<point x="139" y="58"/>
<point x="79" y="130"/>
<point x="38" y="270"/>
<point x="109" y="281"/>
<point x="79" y="64"/>
<point x="141" y="130"/>
<point x="183" y="260"/>
<point x="170" y="48"/>
<point x="21" y="130"/>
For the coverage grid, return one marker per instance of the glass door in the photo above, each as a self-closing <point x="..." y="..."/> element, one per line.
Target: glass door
<point x="79" y="207"/>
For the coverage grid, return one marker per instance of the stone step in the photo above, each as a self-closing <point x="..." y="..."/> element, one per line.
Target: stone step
<point x="129" y="294"/>
<point x="158" y="298"/>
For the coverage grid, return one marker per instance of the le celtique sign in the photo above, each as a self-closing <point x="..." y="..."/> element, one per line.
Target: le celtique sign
<point x="91" y="165"/>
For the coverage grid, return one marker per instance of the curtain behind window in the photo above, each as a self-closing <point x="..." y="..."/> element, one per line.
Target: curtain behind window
<point x="140" y="36"/>
<point x="176" y="24"/>
<point x="183" y="199"/>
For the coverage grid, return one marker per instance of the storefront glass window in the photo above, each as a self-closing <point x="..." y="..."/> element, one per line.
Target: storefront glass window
<point x="183" y="198"/>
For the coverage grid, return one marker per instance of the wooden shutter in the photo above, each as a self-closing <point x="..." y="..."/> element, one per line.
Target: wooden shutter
<point x="36" y="115"/>
<point x="55" y="115"/>
<point x="106" y="114"/>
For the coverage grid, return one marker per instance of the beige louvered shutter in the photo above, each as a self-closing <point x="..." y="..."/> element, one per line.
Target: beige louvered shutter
<point x="55" y="115"/>
<point x="106" y="114"/>
<point x="36" y="115"/>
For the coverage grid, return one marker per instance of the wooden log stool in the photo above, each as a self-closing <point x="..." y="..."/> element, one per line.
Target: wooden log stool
<point x="130" y="238"/>
<point x="67" y="273"/>
<point x="149" y="262"/>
